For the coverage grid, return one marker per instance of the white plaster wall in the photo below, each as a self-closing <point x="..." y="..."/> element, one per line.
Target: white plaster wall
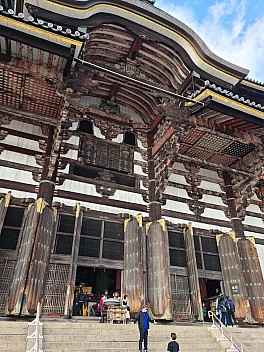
<point x="179" y="167"/>
<point x="18" y="158"/>
<point x="74" y="126"/>
<point x="19" y="194"/>
<point x="177" y="206"/>
<point x="141" y="185"/>
<point x="215" y="214"/>
<point x="209" y="173"/>
<point x="10" y="174"/>
<point x="98" y="207"/>
<point x="97" y="132"/>
<point x="79" y="187"/>
<point x="250" y="220"/>
<point x="211" y="186"/>
<point x="72" y="154"/>
<point x="138" y="156"/>
<point x="22" y="143"/>
<point x="75" y="140"/>
<point x="198" y="225"/>
<point x="90" y="101"/>
<point x="138" y="170"/>
<point x="254" y="208"/>
<point x="177" y="179"/>
<point x="119" y="138"/>
<point x="129" y="197"/>
<point x="207" y="198"/>
<point x="25" y="127"/>
<point x="174" y="191"/>
<point x="140" y="145"/>
<point x="260" y="251"/>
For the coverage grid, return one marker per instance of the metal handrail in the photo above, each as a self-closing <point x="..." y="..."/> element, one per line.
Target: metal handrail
<point x="36" y="334"/>
<point x="226" y="334"/>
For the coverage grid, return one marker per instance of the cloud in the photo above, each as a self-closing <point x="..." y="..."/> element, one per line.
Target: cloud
<point x="226" y="30"/>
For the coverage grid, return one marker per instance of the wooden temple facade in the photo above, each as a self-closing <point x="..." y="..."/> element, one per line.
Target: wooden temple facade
<point x="126" y="145"/>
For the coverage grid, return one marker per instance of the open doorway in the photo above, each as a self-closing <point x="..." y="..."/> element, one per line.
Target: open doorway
<point x="98" y="279"/>
<point x="210" y="290"/>
<point x="90" y="283"/>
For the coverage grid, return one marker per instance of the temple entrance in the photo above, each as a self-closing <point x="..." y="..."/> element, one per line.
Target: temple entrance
<point x="210" y="289"/>
<point x="93" y="282"/>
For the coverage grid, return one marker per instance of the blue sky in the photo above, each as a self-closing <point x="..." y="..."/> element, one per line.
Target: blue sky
<point x="232" y="29"/>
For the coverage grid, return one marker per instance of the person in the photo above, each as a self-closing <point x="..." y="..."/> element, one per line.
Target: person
<point x="101" y="303"/>
<point x="222" y="309"/>
<point x="173" y="345"/>
<point x="125" y="303"/>
<point x="230" y="306"/>
<point x="81" y="300"/>
<point x="116" y="295"/>
<point x="205" y="316"/>
<point x="143" y="319"/>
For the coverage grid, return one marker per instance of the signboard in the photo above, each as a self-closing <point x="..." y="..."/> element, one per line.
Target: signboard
<point x="235" y="288"/>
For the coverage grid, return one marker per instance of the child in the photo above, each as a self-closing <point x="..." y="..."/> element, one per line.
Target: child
<point x="143" y="319"/>
<point x="173" y="345"/>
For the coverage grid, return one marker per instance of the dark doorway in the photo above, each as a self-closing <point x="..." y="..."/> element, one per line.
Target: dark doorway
<point x="98" y="279"/>
<point x="213" y="287"/>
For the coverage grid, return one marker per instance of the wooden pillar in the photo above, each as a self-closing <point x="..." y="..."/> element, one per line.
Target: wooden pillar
<point x="74" y="261"/>
<point x="154" y="203"/>
<point x="28" y="284"/>
<point x="4" y="204"/>
<point x="233" y="278"/>
<point x="158" y="273"/>
<point x="37" y="233"/>
<point x="193" y="274"/>
<point x="248" y="257"/>
<point x="253" y="277"/>
<point x="236" y="222"/>
<point x="134" y="275"/>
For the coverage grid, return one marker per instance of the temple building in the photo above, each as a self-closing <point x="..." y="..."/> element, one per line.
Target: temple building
<point x="131" y="160"/>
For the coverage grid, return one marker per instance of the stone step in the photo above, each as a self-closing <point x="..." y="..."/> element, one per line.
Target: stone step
<point x="121" y="337"/>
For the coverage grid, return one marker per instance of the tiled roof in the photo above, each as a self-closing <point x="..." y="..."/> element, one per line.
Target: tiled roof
<point x="228" y="94"/>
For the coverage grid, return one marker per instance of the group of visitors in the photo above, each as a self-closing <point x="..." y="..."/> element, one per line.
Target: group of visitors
<point x="225" y="309"/>
<point x="115" y="297"/>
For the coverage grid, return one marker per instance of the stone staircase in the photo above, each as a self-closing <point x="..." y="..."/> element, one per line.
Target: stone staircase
<point x="252" y="337"/>
<point x="87" y="337"/>
<point x="13" y="335"/>
<point x="60" y="335"/>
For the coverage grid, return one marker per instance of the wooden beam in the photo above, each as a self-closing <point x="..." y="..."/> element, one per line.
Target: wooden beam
<point x="166" y="137"/>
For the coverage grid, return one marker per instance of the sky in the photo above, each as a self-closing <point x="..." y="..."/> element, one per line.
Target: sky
<point x="232" y="29"/>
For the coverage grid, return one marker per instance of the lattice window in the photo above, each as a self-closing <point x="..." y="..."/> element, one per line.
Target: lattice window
<point x="56" y="287"/>
<point x="101" y="153"/>
<point x="180" y="297"/>
<point x="6" y="274"/>
<point x="11" y="228"/>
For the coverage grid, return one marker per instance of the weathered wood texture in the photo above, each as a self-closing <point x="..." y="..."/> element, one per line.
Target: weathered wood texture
<point x="180" y="298"/>
<point x="74" y="258"/>
<point x="233" y="277"/>
<point x="253" y="277"/>
<point x="134" y="268"/>
<point x="56" y="288"/>
<point x="31" y="268"/>
<point x="158" y="265"/>
<point x="195" y="294"/>
<point x="6" y="274"/>
<point x="4" y="203"/>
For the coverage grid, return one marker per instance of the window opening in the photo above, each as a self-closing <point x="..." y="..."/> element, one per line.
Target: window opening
<point x="85" y="126"/>
<point x="130" y="138"/>
<point x="11" y="228"/>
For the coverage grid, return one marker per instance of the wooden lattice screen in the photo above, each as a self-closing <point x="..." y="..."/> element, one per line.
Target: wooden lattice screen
<point x="55" y="292"/>
<point x="180" y="297"/>
<point x="6" y="274"/>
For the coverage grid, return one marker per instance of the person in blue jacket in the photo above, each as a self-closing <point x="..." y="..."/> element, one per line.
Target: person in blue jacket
<point x="143" y="319"/>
